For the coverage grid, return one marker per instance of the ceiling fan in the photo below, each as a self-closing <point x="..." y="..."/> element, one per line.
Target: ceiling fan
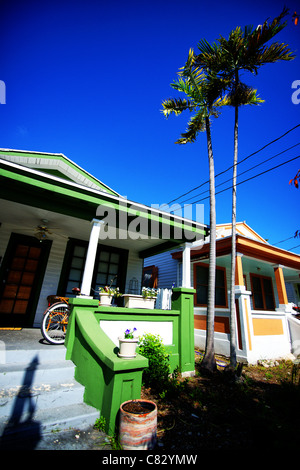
<point x="41" y="231"/>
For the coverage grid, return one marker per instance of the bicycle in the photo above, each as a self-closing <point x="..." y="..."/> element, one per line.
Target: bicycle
<point x="55" y="319"/>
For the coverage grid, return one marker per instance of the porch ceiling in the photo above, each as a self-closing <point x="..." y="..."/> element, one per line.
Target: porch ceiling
<point x="23" y="219"/>
<point x="28" y="196"/>
<point x="252" y="249"/>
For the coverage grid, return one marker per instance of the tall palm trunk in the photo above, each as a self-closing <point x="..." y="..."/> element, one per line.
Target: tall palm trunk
<point x="209" y="361"/>
<point x="233" y="248"/>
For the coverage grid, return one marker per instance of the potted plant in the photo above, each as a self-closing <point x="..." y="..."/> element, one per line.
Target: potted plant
<point x="117" y="297"/>
<point x="149" y="293"/>
<point x="106" y="294"/>
<point x="128" y="344"/>
<point x="146" y="300"/>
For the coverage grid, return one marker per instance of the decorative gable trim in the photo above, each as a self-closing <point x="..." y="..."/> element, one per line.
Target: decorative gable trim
<point x="55" y="164"/>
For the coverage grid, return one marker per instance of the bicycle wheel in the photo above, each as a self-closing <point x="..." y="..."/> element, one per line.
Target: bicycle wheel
<point x="54" y="324"/>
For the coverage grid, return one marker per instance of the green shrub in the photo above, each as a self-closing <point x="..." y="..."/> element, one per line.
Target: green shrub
<point x="151" y="347"/>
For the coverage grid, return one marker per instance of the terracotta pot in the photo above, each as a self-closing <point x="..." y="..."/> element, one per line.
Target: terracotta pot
<point x="138" y="425"/>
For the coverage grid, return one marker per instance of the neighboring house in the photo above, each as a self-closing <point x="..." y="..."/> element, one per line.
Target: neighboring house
<point x="267" y="284"/>
<point x="61" y="227"/>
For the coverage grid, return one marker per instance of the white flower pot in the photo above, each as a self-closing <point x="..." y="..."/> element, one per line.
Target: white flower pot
<point x="138" y="301"/>
<point x="105" y="298"/>
<point x="127" y="347"/>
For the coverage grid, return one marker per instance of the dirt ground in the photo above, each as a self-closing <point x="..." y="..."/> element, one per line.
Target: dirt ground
<point x="205" y="412"/>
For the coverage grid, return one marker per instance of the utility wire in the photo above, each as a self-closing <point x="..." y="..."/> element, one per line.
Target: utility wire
<point x="281" y="241"/>
<point x="248" y="179"/>
<point x="246" y="171"/>
<point x="251" y="155"/>
<point x="297" y="246"/>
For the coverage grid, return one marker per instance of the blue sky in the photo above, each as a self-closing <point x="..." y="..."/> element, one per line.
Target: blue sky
<point x="87" y="79"/>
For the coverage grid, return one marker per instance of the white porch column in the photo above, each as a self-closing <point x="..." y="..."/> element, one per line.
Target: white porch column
<point x="186" y="265"/>
<point x="90" y="257"/>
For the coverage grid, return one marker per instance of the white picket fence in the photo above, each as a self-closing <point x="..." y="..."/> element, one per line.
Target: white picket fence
<point x="163" y="299"/>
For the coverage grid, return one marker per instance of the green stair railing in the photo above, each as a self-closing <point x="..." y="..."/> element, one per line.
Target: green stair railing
<point x="108" y="379"/>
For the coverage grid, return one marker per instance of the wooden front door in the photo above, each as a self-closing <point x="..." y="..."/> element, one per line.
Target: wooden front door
<point x="21" y="278"/>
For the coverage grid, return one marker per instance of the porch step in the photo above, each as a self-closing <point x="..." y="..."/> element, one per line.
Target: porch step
<point x="38" y="391"/>
<point x="15" y="374"/>
<point x="44" y="422"/>
<point x="55" y="353"/>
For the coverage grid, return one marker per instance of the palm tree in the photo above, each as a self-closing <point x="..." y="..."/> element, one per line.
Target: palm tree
<point x="242" y="51"/>
<point x="202" y="91"/>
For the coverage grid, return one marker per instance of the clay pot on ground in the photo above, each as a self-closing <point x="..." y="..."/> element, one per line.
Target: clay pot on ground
<point x="138" y="425"/>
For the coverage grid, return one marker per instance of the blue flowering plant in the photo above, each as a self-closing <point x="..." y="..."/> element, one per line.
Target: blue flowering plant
<point x="129" y="334"/>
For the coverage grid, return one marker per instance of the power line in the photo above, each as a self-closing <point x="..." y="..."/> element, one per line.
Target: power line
<point x="246" y="171"/>
<point x="251" y="178"/>
<point x="281" y="241"/>
<point x="297" y="246"/>
<point x="241" y="161"/>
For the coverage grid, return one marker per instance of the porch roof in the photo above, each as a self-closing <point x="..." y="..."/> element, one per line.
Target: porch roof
<point x="36" y="189"/>
<point x="250" y="248"/>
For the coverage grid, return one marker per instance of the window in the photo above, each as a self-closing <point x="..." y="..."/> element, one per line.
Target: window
<point x="201" y="285"/>
<point x="76" y="267"/>
<point x="110" y="267"/>
<point x="150" y="274"/>
<point x="262" y="291"/>
<point x="107" y="269"/>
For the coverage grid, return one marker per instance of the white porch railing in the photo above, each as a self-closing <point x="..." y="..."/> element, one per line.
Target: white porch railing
<point x="164" y="299"/>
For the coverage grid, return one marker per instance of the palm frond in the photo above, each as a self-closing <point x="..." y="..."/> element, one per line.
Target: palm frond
<point x="195" y="125"/>
<point x="185" y="70"/>
<point x="263" y="33"/>
<point x="176" y="106"/>
<point x="204" y="90"/>
<point x="275" y="52"/>
<point x="192" y="81"/>
<point x="257" y="51"/>
<point x="183" y="85"/>
<point x="243" y="95"/>
<point x="209" y="56"/>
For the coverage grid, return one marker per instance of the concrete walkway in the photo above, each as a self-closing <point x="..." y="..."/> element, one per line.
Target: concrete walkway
<point x="43" y="414"/>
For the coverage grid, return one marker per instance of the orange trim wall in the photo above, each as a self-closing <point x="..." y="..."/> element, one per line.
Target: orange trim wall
<point x="272" y="326"/>
<point x="282" y="295"/>
<point x="221" y="323"/>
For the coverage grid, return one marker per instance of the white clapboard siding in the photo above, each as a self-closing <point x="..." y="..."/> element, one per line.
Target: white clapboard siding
<point x="134" y="271"/>
<point x="51" y="277"/>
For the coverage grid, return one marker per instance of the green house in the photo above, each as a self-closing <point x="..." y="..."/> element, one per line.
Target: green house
<point x="52" y="211"/>
<point x="62" y="228"/>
